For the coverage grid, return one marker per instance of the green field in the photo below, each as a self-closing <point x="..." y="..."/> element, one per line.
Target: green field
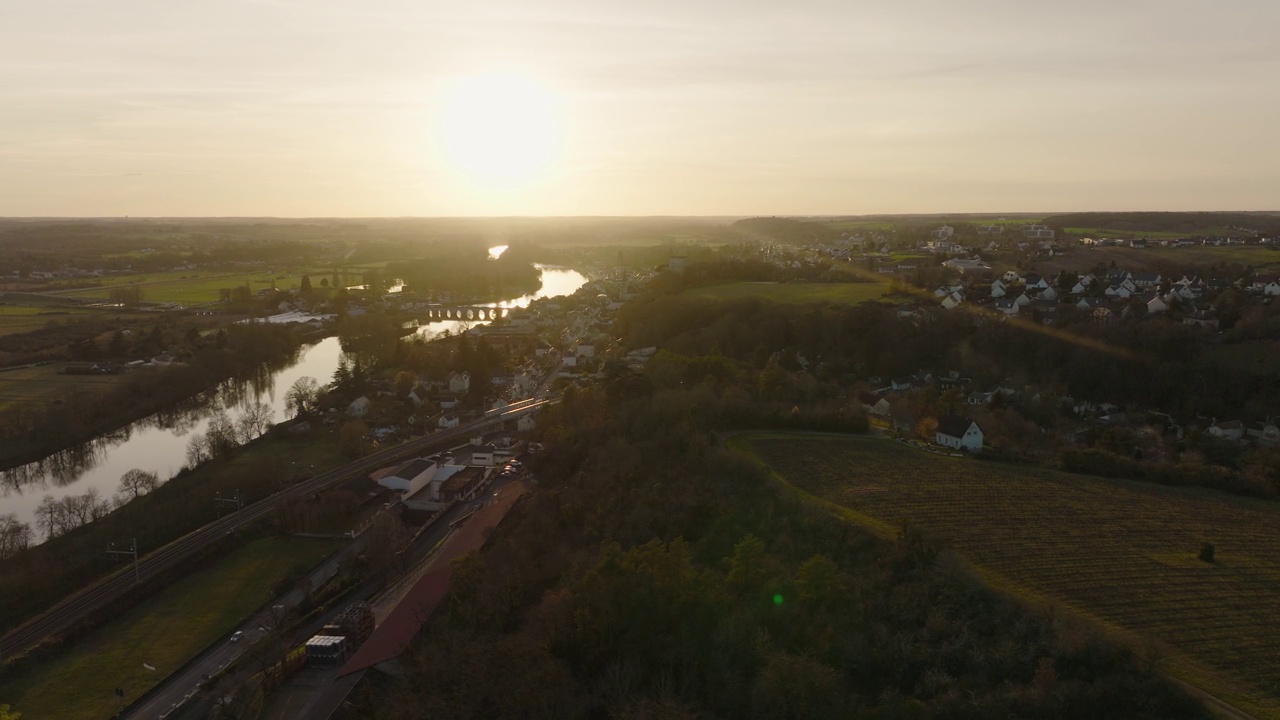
<point x="1120" y="553"/>
<point x="164" y="631"/>
<point x="841" y="293"/>
<point x="1163" y="259"/>
<point x="43" y="383"/>
<point x="189" y="287"/>
<point x="1156" y="234"/>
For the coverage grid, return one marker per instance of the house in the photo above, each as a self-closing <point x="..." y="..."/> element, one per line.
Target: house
<point x="1157" y="305"/>
<point x="943" y="233"/>
<point x="449" y="402"/>
<point x="1008" y="306"/>
<point x="1264" y="433"/>
<point x="418" y="395"/>
<point x="1227" y="430"/>
<point x="1036" y="282"/>
<point x="1049" y="294"/>
<point x="448" y="421"/>
<point x="1146" y="280"/>
<point x="952" y="301"/>
<point x="358" y="407"/>
<point x="902" y="383"/>
<point x="997" y="289"/>
<point x="980" y="398"/>
<point x="1271" y="288"/>
<point x="525" y="423"/>
<point x="874" y="405"/>
<point x="459" y="382"/>
<point x="960" y="433"/>
<point x="1119" y="291"/>
<point x="587" y="351"/>
<point x="1202" y="318"/>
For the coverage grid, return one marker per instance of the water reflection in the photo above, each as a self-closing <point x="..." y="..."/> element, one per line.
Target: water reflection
<point x="159" y="443"/>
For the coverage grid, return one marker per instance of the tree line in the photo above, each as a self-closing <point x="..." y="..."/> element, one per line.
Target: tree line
<point x="654" y="573"/>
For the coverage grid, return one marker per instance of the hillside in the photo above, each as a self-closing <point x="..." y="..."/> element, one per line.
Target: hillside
<point x="1123" y="553"/>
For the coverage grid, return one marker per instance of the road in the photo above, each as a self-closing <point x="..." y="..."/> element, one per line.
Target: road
<point x="77" y="606"/>
<point x="185" y="684"/>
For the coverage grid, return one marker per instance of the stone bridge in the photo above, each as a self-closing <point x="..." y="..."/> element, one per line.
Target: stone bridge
<point x="466" y="312"/>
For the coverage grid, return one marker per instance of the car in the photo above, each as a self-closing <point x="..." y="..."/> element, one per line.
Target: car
<point x="235" y="636"/>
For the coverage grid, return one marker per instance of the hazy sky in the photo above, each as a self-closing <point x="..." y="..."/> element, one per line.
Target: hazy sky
<point x="689" y="107"/>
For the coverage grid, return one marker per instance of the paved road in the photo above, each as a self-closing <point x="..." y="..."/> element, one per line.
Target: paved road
<point x="77" y="606"/>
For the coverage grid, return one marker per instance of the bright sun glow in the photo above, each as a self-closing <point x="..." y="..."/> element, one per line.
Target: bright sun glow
<point x="500" y="127"/>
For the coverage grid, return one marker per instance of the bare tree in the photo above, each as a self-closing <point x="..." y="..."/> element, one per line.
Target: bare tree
<point x="221" y="436"/>
<point x="49" y="516"/>
<point x="302" y="396"/>
<point x="15" y="535"/>
<point x="137" y="482"/>
<point x="197" y="450"/>
<point x="255" y="421"/>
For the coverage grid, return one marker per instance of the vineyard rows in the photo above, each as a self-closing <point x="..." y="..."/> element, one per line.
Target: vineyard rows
<point x="1122" y="552"/>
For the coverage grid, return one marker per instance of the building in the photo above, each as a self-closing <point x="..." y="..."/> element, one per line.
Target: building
<point x="960" y="433"/>
<point x="359" y="407"/>
<point x="459" y="382"/>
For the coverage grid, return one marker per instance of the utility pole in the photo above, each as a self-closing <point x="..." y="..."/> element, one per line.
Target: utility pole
<point x="234" y="500"/>
<point x="133" y="553"/>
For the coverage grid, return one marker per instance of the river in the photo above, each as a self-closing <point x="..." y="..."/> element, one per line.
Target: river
<point x="160" y="446"/>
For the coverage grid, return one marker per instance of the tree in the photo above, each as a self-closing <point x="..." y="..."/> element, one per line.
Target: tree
<point x="351" y="438"/>
<point x="138" y="482"/>
<point x="15" y="535"/>
<point x="746" y="567"/>
<point x="254" y="421"/>
<point x="126" y="295"/>
<point x="197" y="450"/>
<point x="221" y="435"/>
<point x="8" y="714"/>
<point x="302" y="396"/>
<point x="306" y="285"/>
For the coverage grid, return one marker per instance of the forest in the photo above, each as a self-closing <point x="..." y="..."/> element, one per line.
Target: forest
<point x="657" y="575"/>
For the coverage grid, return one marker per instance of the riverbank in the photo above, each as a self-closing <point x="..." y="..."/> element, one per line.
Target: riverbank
<point x="70" y="425"/>
<point x="38" y="577"/>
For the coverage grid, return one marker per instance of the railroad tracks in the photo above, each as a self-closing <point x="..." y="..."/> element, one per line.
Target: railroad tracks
<point x="74" y="608"/>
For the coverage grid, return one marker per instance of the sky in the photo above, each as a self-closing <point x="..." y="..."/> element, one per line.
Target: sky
<point x="307" y="108"/>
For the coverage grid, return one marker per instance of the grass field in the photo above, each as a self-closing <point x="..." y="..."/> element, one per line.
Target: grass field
<point x="841" y="293"/>
<point x="1121" y="553"/>
<point x="1156" y="234"/>
<point x="188" y="287"/>
<point x="1164" y="259"/>
<point x="43" y="383"/>
<point x="165" y="631"/>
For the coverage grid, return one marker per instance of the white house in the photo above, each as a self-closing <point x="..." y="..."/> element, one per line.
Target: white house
<point x="1229" y="430"/>
<point x="1023" y="300"/>
<point x="1156" y="305"/>
<point x="448" y="421"/>
<point x="418" y="395"/>
<point x="997" y="289"/>
<point x="459" y="382"/>
<point x="1036" y="282"/>
<point x="959" y="433"/>
<point x="1049" y="294"/>
<point x="358" y="407"/>
<point x="1007" y="306"/>
<point x="1119" y="291"/>
<point x="952" y="301"/>
<point x="1271" y="288"/>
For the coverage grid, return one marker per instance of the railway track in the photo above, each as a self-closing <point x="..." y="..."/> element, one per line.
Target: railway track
<point x="80" y="604"/>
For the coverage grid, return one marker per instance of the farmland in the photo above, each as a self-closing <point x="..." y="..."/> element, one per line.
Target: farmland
<point x="1162" y="259"/>
<point x="839" y="293"/>
<point x="163" y="631"/>
<point x="44" y="384"/>
<point x="1121" y="553"/>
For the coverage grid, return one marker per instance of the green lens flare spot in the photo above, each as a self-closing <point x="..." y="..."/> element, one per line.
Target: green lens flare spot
<point x="777" y="599"/>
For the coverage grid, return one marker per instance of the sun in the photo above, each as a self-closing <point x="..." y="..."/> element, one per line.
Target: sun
<point x="500" y="127"/>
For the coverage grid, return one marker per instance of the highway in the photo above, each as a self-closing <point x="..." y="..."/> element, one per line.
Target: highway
<point x="77" y="606"/>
